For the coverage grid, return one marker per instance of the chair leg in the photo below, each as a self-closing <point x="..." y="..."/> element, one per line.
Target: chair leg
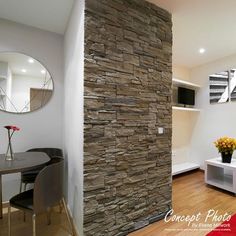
<point x="24" y="216"/>
<point x="9" y="220"/>
<point x="21" y="186"/>
<point x="60" y="207"/>
<point x="34" y="224"/>
<point x="68" y="217"/>
<point x="25" y="187"/>
<point x="49" y="216"/>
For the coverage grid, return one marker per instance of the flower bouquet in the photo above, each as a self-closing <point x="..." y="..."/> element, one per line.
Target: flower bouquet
<point x="226" y="147"/>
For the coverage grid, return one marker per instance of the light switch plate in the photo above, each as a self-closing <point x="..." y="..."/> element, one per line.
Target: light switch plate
<point x="160" y="130"/>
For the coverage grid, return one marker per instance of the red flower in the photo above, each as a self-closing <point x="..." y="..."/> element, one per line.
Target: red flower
<point x="14" y="128"/>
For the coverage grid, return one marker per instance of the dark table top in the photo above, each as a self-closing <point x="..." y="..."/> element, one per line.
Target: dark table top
<point x="23" y="161"/>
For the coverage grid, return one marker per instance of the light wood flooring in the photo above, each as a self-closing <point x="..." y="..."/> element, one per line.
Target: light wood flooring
<point x="59" y="225"/>
<point x="190" y="196"/>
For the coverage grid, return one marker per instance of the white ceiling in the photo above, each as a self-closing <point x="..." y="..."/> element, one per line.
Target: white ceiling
<point x="51" y="15"/>
<point x="201" y="23"/>
<point x="196" y="24"/>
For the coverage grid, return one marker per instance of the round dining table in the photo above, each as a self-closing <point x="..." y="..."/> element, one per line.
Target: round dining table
<point x="23" y="161"/>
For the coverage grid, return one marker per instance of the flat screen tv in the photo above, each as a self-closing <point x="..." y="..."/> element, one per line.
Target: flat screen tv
<point x="186" y="96"/>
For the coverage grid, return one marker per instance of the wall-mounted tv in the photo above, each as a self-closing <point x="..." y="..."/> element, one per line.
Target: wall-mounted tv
<point x="186" y="96"/>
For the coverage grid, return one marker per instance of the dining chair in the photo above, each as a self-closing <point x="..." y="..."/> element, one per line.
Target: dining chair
<point x="28" y="177"/>
<point x="47" y="193"/>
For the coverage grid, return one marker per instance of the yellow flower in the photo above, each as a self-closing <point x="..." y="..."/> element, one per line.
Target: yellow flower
<point x="225" y="144"/>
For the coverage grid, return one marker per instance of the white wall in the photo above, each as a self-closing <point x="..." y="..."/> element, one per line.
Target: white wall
<point x="214" y="120"/>
<point x="43" y="127"/>
<point x="181" y="72"/>
<point x="73" y="126"/>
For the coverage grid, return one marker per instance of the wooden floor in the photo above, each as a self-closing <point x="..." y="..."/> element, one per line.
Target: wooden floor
<point x="191" y="196"/>
<point x="58" y="227"/>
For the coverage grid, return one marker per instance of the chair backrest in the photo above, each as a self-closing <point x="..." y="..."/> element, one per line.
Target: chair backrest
<point x="48" y="187"/>
<point x="51" y="152"/>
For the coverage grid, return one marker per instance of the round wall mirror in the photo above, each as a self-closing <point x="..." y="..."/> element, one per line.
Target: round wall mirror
<point x="25" y="84"/>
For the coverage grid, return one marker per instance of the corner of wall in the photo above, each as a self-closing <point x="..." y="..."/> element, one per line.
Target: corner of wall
<point x="73" y="111"/>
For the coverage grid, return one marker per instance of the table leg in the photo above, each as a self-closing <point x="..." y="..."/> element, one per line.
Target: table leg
<point x="1" y="197"/>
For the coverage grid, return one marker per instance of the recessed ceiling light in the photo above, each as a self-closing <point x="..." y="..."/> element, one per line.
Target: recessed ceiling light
<point x="43" y="72"/>
<point x="202" y="50"/>
<point x="31" y="60"/>
<point x="23" y="70"/>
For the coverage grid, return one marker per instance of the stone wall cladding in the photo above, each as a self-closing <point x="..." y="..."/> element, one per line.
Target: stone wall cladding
<point x="128" y="77"/>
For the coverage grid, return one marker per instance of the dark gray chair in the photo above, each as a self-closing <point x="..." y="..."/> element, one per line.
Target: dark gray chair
<point x="47" y="193"/>
<point x="28" y="177"/>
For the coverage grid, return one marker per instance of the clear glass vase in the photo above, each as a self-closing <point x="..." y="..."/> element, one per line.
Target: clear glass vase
<point x="9" y="153"/>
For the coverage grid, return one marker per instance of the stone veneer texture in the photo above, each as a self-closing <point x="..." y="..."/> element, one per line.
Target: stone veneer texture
<point x="128" y="77"/>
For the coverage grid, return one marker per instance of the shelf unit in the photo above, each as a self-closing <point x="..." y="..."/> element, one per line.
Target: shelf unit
<point x="185" y="109"/>
<point x="188" y="165"/>
<point x="183" y="167"/>
<point x="178" y="82"/>
<point x="185" y="83"/>
<point x="221" y="175"/>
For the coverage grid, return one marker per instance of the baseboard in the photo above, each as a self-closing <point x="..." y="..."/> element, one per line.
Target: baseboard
<point x="145" y="223"/>
<point x="72" y="220"/>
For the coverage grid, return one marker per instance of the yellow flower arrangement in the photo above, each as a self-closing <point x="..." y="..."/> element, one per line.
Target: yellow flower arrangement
<point x="226" y="145"/>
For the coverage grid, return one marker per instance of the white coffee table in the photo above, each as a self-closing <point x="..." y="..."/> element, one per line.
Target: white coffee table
<point x="221" y="175"/>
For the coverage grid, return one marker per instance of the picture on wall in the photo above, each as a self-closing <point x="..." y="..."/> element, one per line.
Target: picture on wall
<point x="219" y="87"/>
<point x="232" y="85"/>
<point x="223" y="87"/>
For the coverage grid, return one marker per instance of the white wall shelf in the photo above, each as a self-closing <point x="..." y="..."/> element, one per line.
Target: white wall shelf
<point x="179" y="82"/>
<point x="185" y="109"/>
<point x="184" y="167"/>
